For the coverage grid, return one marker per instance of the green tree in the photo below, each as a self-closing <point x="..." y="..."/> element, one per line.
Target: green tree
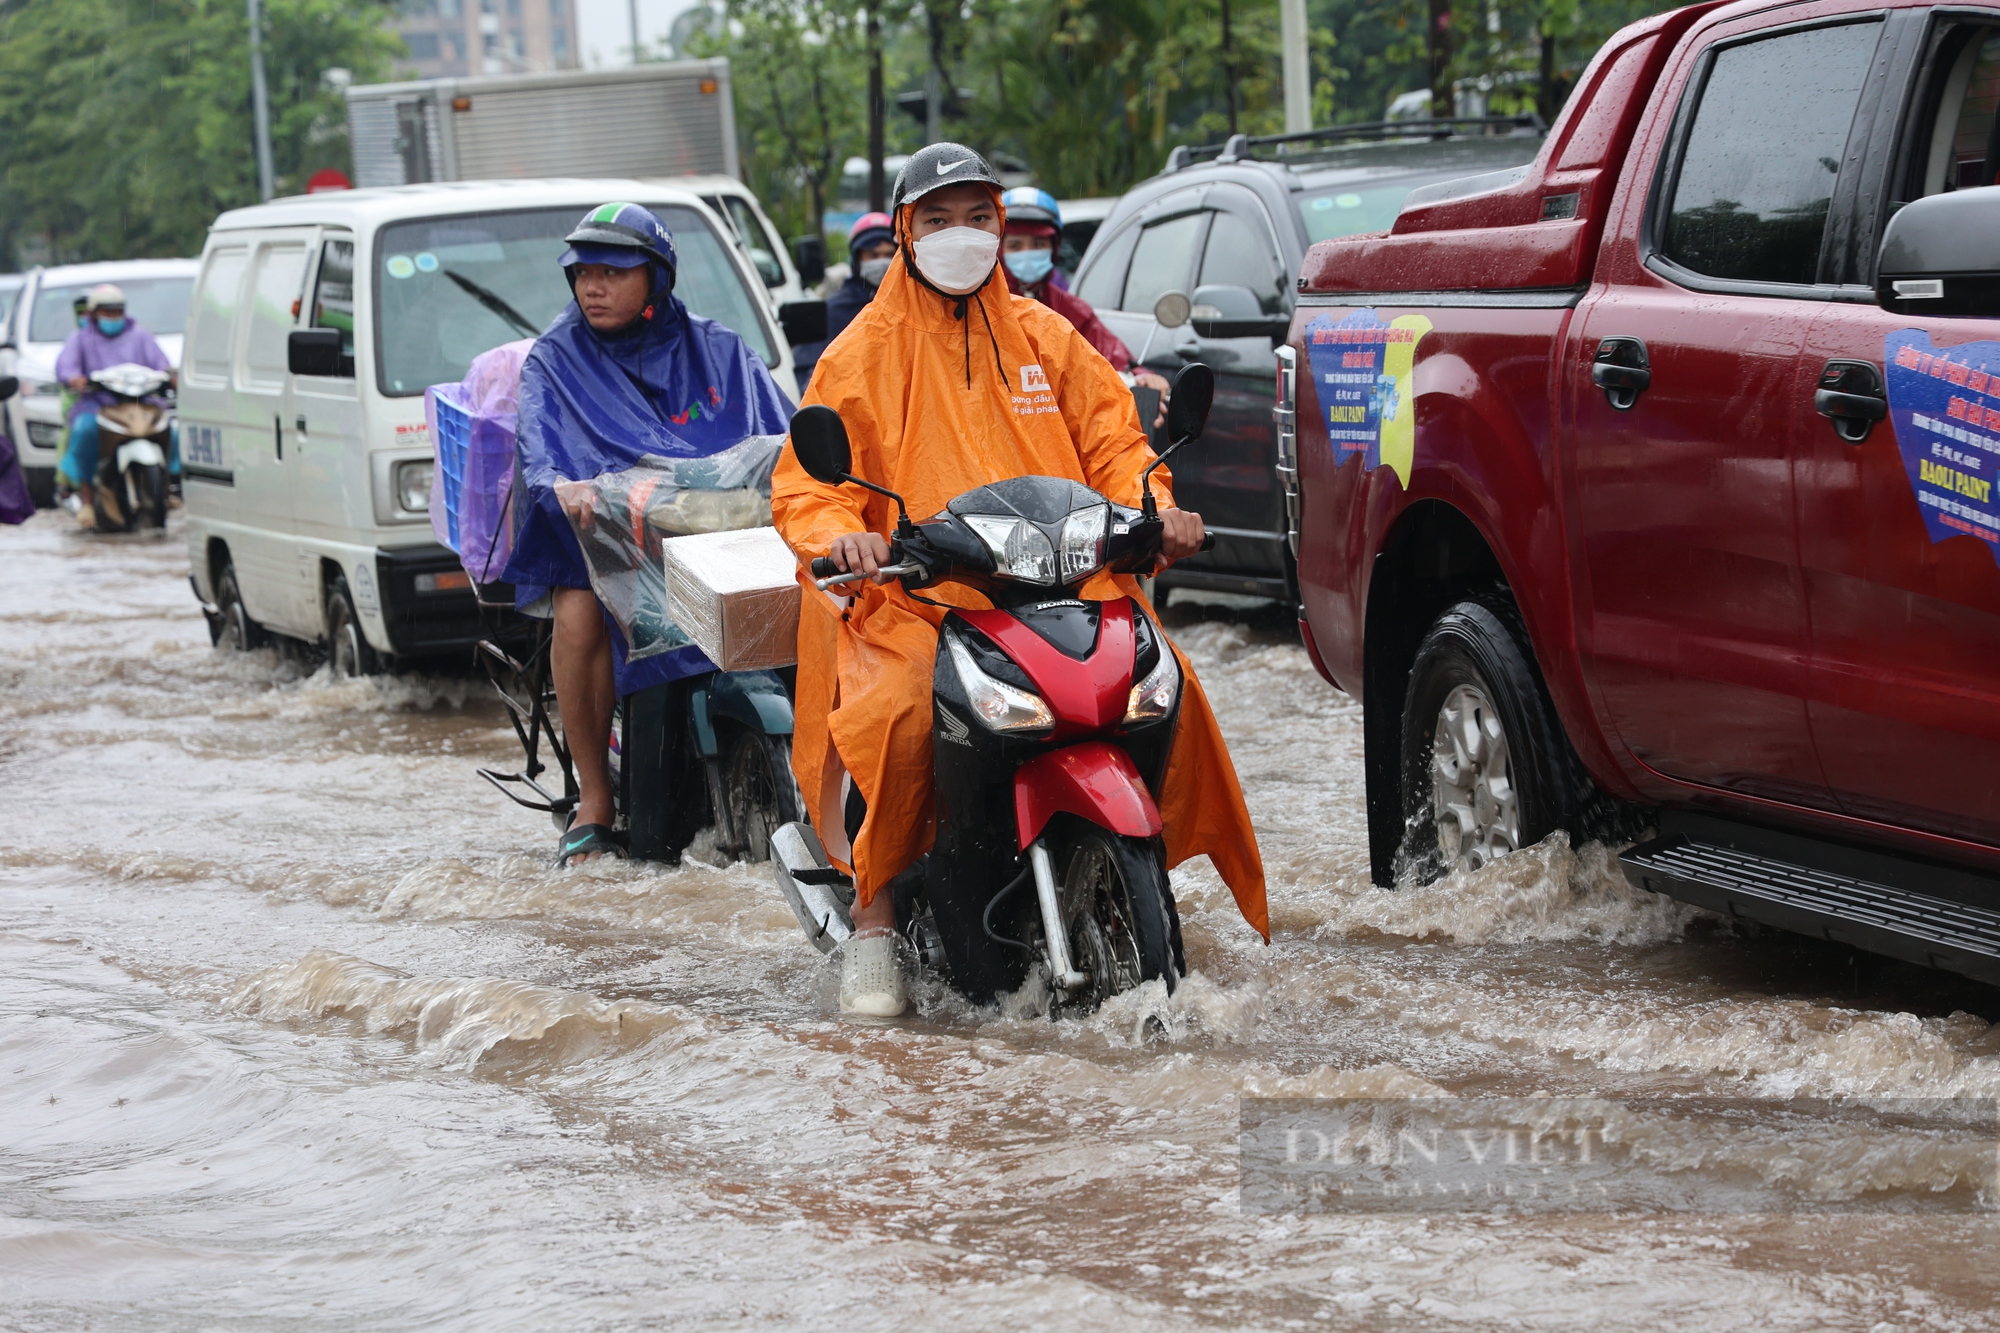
<point x="125" y="125"/>
<point x="1093" y="94"/>
<point x="800" y="72"/>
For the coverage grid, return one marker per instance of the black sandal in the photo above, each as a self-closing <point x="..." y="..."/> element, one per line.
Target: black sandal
<point x="588" y="840"/>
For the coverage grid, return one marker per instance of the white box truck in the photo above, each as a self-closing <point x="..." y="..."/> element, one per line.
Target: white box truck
<point x="671" y="119"/>
<point x="673" y="122"/>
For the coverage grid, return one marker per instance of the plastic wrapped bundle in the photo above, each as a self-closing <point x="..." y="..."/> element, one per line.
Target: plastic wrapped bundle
<point x="736" y="594"/>
<point x="635" y="510"/>
<point x="475" y="487"/>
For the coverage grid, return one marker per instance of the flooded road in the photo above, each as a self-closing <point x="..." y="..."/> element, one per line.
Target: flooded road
<point x="298" y="1031"/>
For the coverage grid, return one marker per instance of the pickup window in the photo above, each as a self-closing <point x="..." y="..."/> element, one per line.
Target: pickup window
<point x="1761" y="153"/>
<point x="1965" y="144"/>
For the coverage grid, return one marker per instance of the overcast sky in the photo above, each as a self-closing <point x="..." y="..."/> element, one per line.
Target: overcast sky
<point x="604" y="27"/>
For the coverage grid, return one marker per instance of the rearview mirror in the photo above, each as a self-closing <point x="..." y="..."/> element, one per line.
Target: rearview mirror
<point x="809" y="255"/>
<point x="1171" y="310"/>
<point x="819" y="438"/>
<point x="1187" y="408"/>
<point x="1232" y="312"/>
<point x="804" y="321"/>
<point x="1941" y="256"/>
<point x="9" y="386"/>
<point x="318" y="352"/>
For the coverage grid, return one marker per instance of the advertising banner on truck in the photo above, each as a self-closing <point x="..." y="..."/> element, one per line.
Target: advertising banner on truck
<point x="1361" y="367"/>
<point x="1944" y="403"/>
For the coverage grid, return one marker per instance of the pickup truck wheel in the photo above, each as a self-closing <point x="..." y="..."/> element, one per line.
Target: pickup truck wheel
<point x="1484" y="768"/>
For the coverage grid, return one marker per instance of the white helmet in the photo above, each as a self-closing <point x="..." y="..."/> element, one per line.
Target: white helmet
<point x="104" y="293"/>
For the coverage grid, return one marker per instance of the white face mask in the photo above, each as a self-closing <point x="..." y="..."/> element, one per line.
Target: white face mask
<point x="958" y="259"/>
<point x="874" y="270"/>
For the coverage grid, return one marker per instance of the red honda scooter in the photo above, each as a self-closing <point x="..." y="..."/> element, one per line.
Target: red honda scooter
<point x="1052" y="718"/>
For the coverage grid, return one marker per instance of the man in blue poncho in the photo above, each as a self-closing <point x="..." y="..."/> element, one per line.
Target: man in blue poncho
<point x="625" y="372"/>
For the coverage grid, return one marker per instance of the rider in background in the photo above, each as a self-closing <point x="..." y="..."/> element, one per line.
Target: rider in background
<point x="871" y="245"/>
<point x="105" y="339"/>
<point x="1034" y="230"/>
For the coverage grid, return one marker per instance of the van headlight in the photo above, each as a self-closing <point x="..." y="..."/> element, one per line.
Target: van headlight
<point x="413" y="485"/>
<point x="999" y="706"/>
<point x="1153" y="698"/>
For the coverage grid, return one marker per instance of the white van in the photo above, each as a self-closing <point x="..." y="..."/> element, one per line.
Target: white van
<point x="308" y="494"/>
<point x="733" y="202"/>
<point x="42" y="317"/>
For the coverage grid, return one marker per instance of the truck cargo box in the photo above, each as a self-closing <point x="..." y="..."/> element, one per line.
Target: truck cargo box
<point x="671" y="119"/>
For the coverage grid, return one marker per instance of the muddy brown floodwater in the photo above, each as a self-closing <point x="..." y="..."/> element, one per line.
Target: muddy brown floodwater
<point x="298" y="1031"/>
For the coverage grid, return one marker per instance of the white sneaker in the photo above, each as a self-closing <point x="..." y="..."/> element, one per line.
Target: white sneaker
<point x="871" y="977"/>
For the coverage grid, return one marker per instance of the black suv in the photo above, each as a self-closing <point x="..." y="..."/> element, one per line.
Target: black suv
<point x="1229" y="226"/>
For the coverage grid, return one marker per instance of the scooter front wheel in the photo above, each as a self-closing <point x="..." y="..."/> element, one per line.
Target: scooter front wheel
<point x="1119" y="910"/>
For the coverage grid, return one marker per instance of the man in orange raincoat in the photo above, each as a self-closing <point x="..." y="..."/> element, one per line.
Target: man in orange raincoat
<point x="945" y="382"/>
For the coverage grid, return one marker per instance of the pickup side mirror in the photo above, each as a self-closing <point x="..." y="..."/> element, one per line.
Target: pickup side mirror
<point x="1233" y="312"/>
<point x="1941" y="256"/>
<point x="318" y="352"/>
<point x="804" y="321"/>
<point x="809" y="255"/>
<point x="9" y="386"/>
<point x="819" y="438"/>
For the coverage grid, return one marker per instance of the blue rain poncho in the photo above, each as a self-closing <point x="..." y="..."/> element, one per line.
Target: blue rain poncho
<point x="680" y="387"/>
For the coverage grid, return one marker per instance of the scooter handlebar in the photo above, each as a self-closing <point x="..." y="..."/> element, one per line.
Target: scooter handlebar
<point x="1208" y="541"/>
<point x="823" y="567"/>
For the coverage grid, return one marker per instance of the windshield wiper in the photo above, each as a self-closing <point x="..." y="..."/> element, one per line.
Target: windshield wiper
<point x="492" y="301"/>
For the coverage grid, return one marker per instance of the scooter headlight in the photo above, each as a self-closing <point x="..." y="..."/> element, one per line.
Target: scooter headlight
<point x="1153" y="698"/>
<point x="1083" y="542"/>
<point x="999" y="706"/>
<point x="1020" y="549"/>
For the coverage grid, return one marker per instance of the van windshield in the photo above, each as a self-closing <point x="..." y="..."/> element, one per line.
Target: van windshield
<point x="451" y="288"/>
<point x="157" y="305"/>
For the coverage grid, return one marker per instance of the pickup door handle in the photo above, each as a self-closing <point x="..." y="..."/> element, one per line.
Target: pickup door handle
<point x="1623" y="370"/>
<point x="1850" y="395"/>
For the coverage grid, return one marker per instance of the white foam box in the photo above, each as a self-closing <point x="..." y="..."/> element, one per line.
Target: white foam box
<point x="736" y="594"/>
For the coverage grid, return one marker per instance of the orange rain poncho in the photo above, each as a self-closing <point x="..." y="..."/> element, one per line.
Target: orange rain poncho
<point x="935" y="405"/>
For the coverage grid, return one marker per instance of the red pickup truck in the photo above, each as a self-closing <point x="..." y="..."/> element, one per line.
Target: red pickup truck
<point x="1654" y="481"/>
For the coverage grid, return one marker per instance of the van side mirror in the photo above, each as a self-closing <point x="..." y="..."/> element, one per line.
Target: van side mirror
<point x="1232" y="312"/>
<point x="1941" y="256"/>
<point x="1187" y="409"/>
<point x="819" y="438"/>
<point x="809" y="256"/>
<point x="9" y="386"/>
<point x="318" y="352"/>
<point x="803" y="321"/>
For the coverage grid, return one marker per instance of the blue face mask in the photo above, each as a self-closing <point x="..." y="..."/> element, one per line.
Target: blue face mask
<point x="1031" y="266"/>
<point x="111" y="328"/>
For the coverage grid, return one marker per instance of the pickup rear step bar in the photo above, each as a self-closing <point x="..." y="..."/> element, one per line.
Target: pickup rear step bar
<point x="1934" y="915"/>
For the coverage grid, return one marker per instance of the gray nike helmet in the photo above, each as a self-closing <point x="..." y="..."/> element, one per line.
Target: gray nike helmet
<point x="940" y="164"/>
